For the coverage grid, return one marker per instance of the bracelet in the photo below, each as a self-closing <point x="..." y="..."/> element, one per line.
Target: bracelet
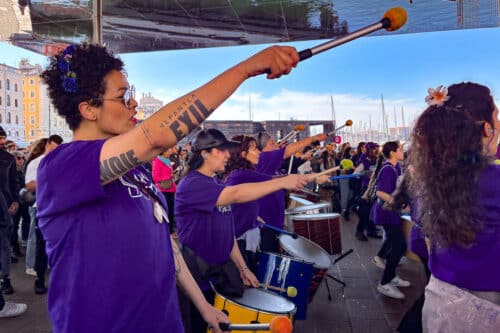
<point x="244" y="268"/>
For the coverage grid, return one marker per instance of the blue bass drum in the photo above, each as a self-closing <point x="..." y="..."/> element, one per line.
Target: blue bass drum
<point x="293" y="276"/>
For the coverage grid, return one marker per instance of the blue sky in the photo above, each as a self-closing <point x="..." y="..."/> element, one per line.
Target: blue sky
<point x="401" y="67"/>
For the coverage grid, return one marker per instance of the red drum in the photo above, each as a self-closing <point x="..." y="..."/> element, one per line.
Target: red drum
<point x="323" y="229"/>
<point x="313" y="208"/>
<point x="306" y="250"/>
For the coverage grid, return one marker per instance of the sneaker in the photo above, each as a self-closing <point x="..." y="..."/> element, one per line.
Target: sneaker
<point x="390" y="290"/>
<point x="31" y="271"/>
<point x="7" y="286"/>
<point x="399" y="282"/>
<point x="403" y="261"/>
<point x="12" y="309"/>
<point x="40" y="288"/>
<point x="379" y="262"/>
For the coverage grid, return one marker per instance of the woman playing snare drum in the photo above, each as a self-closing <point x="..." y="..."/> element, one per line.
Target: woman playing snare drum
<point x="205" y="221"/>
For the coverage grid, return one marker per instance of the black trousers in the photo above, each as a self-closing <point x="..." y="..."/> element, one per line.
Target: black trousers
<point x="393" y="248"/>
<point x="41" y="255"/>
<point x="2" y="301"/>
<point x="364" y="222"/>
<point x="251" y="258"/>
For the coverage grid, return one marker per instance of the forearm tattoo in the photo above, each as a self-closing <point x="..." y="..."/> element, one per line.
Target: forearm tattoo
<point x="147" y="134"/>
<point x="116" y="166"/>
<point x="191" y="113"/>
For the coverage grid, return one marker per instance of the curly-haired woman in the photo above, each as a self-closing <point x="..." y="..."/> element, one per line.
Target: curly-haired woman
<point x="102" y="217"/>
<point x="454" y="143"/>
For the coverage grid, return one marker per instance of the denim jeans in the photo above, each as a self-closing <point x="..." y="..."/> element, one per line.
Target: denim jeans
<point x="31" y="248"/>
<point x="5" y="249"/>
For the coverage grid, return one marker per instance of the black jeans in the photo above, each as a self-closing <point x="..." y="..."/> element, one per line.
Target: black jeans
<point x="2" y="301"/>
<point x="393" y="248"/>
<point x="364" y="222"/>
<point x="41" y="255"/>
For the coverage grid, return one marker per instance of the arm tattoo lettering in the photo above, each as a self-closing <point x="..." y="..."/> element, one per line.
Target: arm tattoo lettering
<point x="116" y="166"/>
<point x="147" y="134"/>
<point x="189" y="110"/>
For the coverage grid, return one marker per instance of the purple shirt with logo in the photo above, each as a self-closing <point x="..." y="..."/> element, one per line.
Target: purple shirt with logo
<point x="475" y="267"/>
<point x="205" y="228"/>
<point x="386" y="182"/>
<point x="245" y="214"/>
<point x="112" y="263"/>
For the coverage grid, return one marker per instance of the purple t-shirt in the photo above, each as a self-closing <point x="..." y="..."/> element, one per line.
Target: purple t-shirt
<point x="270" y="161"/>
<point x="272" y="206"/>
<point x="245" y="214"/>
<point x="386" y="182"/>
<point x="475" y="267"/>
<point x="112" y="263"/>
<point x="205" y="228"/>
<point x="367" y="165"/>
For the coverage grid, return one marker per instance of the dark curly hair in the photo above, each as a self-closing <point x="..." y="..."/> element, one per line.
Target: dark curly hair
<point x="447" y="156"/>
<point x="236" y="161"/>
<point x="90" y="63"/>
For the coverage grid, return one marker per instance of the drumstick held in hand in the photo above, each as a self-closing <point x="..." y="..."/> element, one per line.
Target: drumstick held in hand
<point x="291" y="291"/>
<point x="313" y="176"/>
<point x="278" y="324"/>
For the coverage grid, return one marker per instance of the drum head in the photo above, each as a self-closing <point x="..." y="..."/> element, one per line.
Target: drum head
<point x="306" y="208"/>
<point x="306" y="250"/>
<point x="265" y="301"/>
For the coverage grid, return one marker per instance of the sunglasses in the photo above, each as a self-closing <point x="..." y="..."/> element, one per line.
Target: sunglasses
<point x="127" y="98"/>
<point x="19" y="158"/>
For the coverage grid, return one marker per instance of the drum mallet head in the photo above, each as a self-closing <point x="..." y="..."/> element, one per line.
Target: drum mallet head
<point x="280" y="324"/>
<point x="291" y="291"/>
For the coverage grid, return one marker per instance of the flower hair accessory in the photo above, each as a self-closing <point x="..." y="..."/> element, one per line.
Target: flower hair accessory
<point x="437" y="96"/>
<point x="68" y="76"/>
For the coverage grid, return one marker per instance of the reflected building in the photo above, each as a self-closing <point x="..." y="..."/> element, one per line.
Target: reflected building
<point x="11" y="103"/>
<point x="40" y="116"/>
<point x="147" y="106"/>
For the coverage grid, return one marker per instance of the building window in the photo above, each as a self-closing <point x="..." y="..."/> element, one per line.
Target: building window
<point x="15" y="87"/>
<point x="1" y="118"/>
<point x="17" y="134"/>
<point x="0" y="100"/>
<point x="15" y="103"/>
<point x="32" y="120"/>
<point x="7" y="84"/>
<point x="32" y="81"/>
<point x="17" y="120"/>
<point x="8" y="100"/>
<point x="8" y="117"/>
<point x="32" y="133"/>
<point x="32" y="94"/>
<point x="32" y="107"/>
<point x="0" y="84"/>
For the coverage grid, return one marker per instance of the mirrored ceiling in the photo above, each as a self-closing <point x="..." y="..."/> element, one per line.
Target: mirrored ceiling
<point x="45" y="26"/>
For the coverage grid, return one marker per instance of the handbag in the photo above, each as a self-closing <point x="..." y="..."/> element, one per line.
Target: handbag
<point x="166" y="184"/>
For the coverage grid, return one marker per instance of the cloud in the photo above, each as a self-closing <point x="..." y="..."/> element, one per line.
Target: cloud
<point x="310" y="106"/>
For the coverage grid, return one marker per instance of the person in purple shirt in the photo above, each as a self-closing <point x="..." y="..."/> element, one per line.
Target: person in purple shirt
<point x="454" y="142"/>
<point x="114" y="267"/>
<point x="205" y="220"/>
<point x="394" y="244"/>
<point x="272" y="207"/>
<point x="366" y="165"/>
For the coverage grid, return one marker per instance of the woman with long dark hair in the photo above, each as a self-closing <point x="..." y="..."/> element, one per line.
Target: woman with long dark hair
<point x="453" y="148"/>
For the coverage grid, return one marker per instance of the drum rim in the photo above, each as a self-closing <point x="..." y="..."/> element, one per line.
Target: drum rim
<point x="317" y="205"/>
<point x="319" y="216"/>
<point x="290" y="257"/>
<point x="292" y="312"/>
<point x="315" y="265"/>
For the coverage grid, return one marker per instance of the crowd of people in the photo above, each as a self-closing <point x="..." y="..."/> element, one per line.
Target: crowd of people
<point x="179" y="223"/>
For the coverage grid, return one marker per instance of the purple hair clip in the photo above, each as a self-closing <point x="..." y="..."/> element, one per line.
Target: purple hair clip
<point x="68" y="76"/>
